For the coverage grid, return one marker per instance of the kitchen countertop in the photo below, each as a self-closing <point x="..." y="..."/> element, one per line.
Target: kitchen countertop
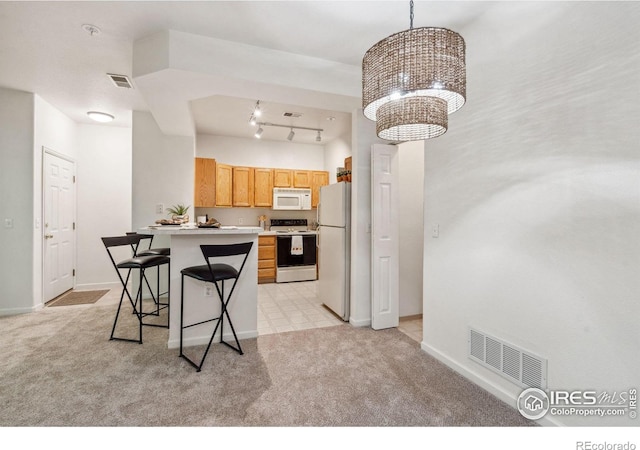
<point x="185" y="230"/>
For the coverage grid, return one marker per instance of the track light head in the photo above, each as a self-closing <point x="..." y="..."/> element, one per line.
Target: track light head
<point x="259" y="132"/>
<point x="256" y="111"/>
<point x="318" y="137"/>
<point x="291" y="135"/>
<point x="252" y="120"/>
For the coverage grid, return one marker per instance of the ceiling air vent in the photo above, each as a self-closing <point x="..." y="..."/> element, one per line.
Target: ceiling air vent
<point x="292" y="114"/>
<point x="121" y="81"/>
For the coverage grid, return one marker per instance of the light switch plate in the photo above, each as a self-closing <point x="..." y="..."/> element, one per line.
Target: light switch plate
<point x="8" y="223"/>
<point x="159" y="208"/>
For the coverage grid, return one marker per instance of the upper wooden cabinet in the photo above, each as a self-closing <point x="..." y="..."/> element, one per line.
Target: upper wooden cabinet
<point x="227" y="186"/>
<point x="224" y="190"/>
<point x="263" y="192"/>
<point x="205" y="183"/>
<point x="302" y="178"/>
<point x="318" y="179"/>
<point x="282" y="178"/>
<point x="243" y="187"/>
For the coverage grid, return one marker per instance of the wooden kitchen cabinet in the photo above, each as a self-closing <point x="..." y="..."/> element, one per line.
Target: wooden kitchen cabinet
<point x="224" y="187"/>
<point x="263" y="188"/>
<point x="318" y="179"/>
<point x="243" y="187"/>
<point x="205" y="183"/>
<point x="302" y="178"/>
<point x="266" y="259"/>
<point x="282" y="178"/>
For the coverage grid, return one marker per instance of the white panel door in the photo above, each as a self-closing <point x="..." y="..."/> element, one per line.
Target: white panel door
<point x="58" y="227"/>
<point x="385" y="274"/>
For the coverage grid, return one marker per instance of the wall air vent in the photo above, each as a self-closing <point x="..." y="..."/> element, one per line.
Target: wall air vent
<point x="515" y="364"/>
<point x="121" y="81"/>
<point x="292" y="114"/>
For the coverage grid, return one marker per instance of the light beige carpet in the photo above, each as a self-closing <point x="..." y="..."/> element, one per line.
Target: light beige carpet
<point x="78" y="298"/>
<point x="60" y="369"/>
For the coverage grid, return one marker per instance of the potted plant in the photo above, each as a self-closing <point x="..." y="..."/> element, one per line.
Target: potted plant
<point x="179" y="213"/>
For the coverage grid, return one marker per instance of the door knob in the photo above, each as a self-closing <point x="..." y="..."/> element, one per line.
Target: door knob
<point x="48" y="236"/>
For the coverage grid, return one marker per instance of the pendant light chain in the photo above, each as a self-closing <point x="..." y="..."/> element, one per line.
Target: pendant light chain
<point x="411" y="15"/>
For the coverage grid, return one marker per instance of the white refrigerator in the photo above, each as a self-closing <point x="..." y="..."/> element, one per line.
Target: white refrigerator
<point x="334" y="247"/>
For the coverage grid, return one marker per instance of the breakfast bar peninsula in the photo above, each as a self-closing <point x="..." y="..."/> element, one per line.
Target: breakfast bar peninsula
<point x="201" y="303"/>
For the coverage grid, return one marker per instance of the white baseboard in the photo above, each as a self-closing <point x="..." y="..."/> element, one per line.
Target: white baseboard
<point x="483" y="382"/>
<point x="204" y="340"/>
<point x="360" y="322"/>
<point x="17" y="311"/>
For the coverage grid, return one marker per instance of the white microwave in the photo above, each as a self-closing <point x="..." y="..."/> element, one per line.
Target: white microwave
<point x="291" y="198"/>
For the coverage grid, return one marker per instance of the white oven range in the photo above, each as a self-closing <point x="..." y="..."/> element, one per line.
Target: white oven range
<point x="296" y="251"/>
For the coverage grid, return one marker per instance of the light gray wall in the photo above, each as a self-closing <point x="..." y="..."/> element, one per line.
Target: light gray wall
<point x="536" y="189"/>
<point x="335" y="153"/>
<point x="104" y="200"/>
<point x="410" y="226"/>
<point x="162" y="170"/>
<point x="364" y="136"/>
<point x="16" y="200"/>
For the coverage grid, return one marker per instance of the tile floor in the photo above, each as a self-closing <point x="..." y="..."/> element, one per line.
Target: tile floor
<point x="295" y="306"/>
<point x="291" y="306"/>
<point x="412" y="327"/>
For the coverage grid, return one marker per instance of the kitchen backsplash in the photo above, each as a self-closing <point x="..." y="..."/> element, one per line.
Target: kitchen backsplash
<point x="249" y="216"/>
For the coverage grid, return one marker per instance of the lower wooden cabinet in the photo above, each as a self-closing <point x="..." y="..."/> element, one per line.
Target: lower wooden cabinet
<point x="266" y="259"/>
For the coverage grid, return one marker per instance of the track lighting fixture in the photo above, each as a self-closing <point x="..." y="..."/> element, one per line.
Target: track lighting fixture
<point x="257" y="112"/>
<point x="291" y="128"/>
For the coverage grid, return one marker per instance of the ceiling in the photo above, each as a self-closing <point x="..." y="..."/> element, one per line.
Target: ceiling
<point x="44" y="49"/>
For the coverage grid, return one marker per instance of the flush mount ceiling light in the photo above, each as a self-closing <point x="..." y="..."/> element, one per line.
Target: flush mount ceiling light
<point x="412" y="81"/>
<point x="100" y="116"/>
<point x="91" y="29"/>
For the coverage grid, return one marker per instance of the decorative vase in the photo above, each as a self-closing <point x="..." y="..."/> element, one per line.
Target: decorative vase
<point x="180" y="219"/>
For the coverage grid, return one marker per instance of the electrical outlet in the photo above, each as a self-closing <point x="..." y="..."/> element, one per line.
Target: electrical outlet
<point x="208" y="290"/>
<point x="240" y="221"/>
<point x="159" y="208"/>
<point x="435" y="231"/>
<point x="8" y="223"/>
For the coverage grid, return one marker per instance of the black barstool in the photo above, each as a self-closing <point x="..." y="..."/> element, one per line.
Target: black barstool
<point x="164" y="251"/>
<point x="217" y="274"/>
<point x="140" y="263"/>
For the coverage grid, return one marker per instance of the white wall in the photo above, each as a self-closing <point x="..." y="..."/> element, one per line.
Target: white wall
<point x="536" y="189"/>
<point x="16" y="201"/>
<point x="335" y="153"/>
<point x="104" y="200"/>
<point x="364" y="136"/>
<point x="260" y="153"/>
<point x="55" y="131"/>
<point x="162" y="170"/>
<point x="411" y="225"/>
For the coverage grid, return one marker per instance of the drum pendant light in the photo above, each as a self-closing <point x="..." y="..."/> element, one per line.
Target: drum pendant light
<point x="412" y="81"/>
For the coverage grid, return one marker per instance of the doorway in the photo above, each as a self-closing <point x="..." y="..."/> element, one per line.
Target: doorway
<point x="58" y="238"/>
